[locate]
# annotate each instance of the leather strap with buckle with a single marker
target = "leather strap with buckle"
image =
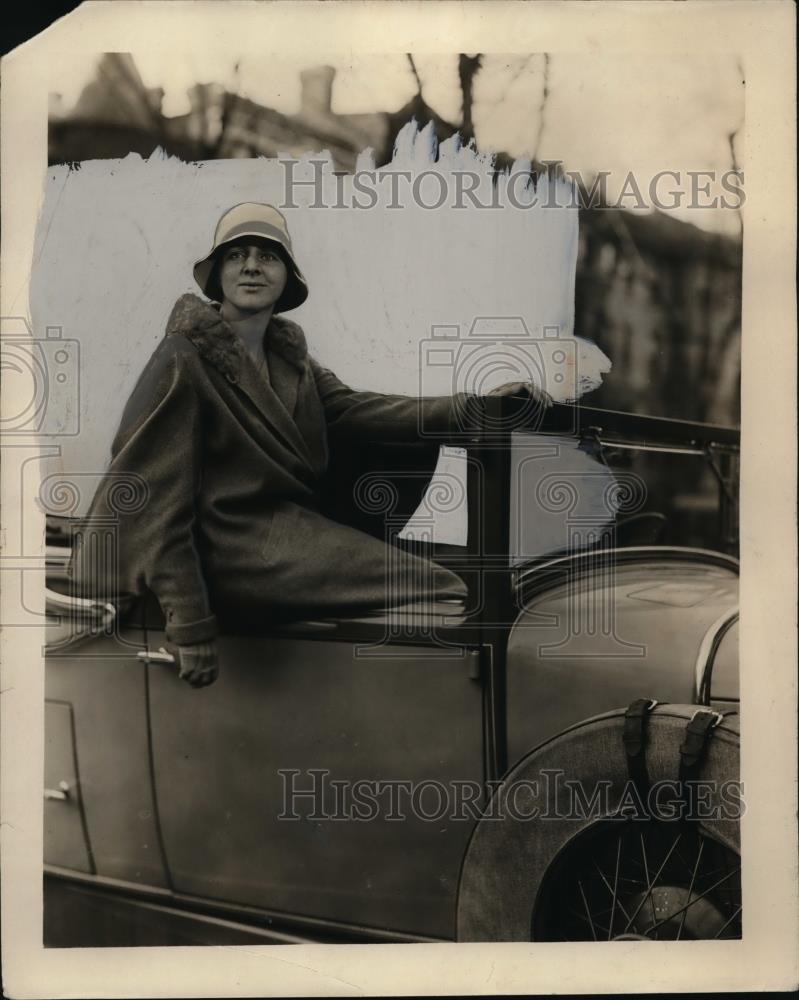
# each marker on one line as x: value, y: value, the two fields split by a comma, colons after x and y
x: 694, y: 746
x: 634, y: 739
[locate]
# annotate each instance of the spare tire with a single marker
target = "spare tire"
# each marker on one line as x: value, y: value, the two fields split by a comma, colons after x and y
x: 569, y: 848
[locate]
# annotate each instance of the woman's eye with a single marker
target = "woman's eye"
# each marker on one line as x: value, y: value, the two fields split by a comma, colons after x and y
x: 267, y: 258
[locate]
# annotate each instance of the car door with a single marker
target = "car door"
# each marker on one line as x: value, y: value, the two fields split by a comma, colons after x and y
x: 297, y: 714
x: 99, y: 813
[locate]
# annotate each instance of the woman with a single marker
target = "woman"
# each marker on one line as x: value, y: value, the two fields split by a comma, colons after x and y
x: 226, y: 432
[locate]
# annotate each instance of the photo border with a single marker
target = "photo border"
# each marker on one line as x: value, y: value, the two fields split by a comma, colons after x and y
x: 763, y: 33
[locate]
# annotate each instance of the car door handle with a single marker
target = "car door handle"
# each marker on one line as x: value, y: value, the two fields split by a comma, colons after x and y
x: 155, y: 656
x: 60, y: 794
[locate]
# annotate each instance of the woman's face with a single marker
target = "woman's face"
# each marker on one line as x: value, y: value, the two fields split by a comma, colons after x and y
x: 252, y: 275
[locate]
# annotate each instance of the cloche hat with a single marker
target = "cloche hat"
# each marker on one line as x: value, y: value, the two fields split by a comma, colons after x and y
x: 251, y: 218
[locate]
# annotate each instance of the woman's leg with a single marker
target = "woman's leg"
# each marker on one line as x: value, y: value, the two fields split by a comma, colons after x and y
x: 310, y: 565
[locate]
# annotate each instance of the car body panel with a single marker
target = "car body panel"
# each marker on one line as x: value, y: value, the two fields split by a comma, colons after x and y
x: 104, y: 683
x: 66, y: 842
x: 82, y: 914
x: 597, y: 641
x: 725, y: 678
x: 181, y: 788
x: 403, y: 713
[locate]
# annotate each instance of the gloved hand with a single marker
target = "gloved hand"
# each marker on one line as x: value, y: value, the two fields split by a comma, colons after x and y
x: 199, y: 664
x: 536, y: 393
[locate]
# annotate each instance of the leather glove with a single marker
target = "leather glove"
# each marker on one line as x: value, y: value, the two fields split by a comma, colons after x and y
x: 199, y: 663
x: 535, y: 392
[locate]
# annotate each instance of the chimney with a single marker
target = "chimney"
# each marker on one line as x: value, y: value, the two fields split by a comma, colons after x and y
x: 317, y: 89
x: 155, y: 98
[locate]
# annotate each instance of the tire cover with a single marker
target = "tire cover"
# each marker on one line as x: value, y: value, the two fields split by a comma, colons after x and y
x: 507, y: 857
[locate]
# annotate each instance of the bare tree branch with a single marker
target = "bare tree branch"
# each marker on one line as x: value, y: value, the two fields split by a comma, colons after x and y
x: 468, y: 67
x: 731, y: 137
x: 415, y: 73
x: 228, y: 101
x: 542, y: 108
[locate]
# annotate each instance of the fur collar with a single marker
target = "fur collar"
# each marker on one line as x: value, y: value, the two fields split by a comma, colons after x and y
x: 214, y: 338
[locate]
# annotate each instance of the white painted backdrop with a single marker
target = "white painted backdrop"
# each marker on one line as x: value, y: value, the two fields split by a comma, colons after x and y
x: 116, y: 240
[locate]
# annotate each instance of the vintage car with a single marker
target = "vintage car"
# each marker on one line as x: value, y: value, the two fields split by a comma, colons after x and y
x: 438, y: 773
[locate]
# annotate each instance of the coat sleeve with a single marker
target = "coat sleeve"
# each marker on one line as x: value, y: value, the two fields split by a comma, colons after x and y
x: 372, y: 415
x: 156, y: 451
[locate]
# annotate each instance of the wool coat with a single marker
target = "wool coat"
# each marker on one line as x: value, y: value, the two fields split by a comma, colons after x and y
x: 212, y: 492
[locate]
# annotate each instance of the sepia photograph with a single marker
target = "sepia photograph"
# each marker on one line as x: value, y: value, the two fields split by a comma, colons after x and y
x: 374, y: 419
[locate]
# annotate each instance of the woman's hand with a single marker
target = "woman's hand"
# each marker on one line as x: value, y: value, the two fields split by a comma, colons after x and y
x: 536, y: 393
x: 199, y: 663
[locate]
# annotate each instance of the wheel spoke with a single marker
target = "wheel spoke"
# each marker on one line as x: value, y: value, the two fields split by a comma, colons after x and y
x: 651, y: 884
x: 721, y: 930
x: 646, y: 874
x: 587, y: 910
x: 581, y: 916
x: 615, y: 888
x: 610, y: 890
x: 632, y: 880
x: 696, y: 899
x: 678, y: 856
x: 691, y: 886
